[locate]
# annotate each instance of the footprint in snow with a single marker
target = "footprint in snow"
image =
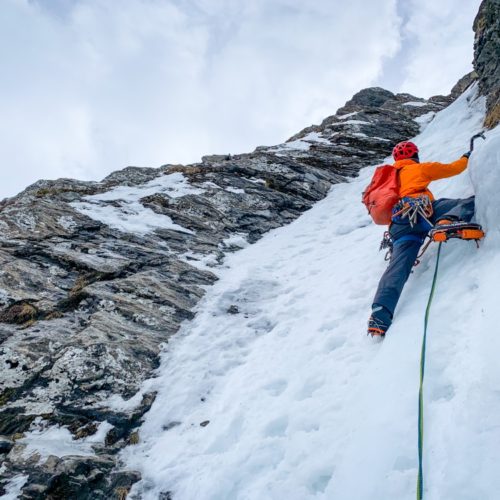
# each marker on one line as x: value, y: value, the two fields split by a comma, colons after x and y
x: 276, y: 427
x: 349, y: 228
x: 276, y: 387
x: 262, y: 325
x: 334, y: 343
x: 319, y: 482
x: 329, y: 326
x: 404, y: 463
x: 445, y: 392
x: 309, y: 388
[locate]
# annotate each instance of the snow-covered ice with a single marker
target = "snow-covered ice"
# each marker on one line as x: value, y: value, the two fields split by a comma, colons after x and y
x: 424, y: 120
x: 300, y: 404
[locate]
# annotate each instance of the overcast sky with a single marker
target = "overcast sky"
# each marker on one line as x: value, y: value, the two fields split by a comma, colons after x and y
x: 91, y: 86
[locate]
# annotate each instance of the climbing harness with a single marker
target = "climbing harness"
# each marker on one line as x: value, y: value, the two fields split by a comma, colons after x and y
x: 420, y: 480
x: 410, y: 208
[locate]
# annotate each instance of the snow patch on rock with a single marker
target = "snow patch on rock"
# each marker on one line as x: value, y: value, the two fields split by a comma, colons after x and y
x: 416, y: 104
x: 121, y: 208
x: 14, y: 487
x: 58, y: 441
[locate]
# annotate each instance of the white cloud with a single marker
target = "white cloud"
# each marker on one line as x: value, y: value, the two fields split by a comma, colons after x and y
x: 440, y: 39
x: 102, y: 84
x: 92, y: 86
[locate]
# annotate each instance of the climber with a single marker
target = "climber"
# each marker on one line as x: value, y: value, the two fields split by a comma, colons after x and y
x: 406, y: 232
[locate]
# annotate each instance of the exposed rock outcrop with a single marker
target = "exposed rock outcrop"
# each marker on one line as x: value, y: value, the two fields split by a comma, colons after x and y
x: 96, y: 276
x: 463, y: 84
x: 487, y: 57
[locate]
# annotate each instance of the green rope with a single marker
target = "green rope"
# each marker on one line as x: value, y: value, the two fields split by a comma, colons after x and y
x: 420, y: 480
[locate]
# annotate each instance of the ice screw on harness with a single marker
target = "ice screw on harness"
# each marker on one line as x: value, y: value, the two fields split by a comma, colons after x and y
x: 411, y: 208
x: 420, y: 480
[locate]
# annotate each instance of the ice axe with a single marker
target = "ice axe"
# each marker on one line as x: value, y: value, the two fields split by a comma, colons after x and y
x: 474, y: 137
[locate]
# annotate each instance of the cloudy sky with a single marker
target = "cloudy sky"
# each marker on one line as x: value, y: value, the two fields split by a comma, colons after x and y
x: 91, y: 86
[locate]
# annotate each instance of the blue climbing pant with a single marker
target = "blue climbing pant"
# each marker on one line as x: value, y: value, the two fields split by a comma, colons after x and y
x: 407, y: 241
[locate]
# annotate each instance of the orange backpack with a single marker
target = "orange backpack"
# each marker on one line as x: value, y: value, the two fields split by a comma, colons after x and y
x: 382, y: 194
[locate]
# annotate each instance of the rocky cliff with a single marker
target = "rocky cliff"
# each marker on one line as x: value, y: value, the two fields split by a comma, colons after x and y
x: 96, y: 276
x: 487, y: 57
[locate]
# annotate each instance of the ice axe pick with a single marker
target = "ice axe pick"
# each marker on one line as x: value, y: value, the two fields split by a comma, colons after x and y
x: 474, y: 137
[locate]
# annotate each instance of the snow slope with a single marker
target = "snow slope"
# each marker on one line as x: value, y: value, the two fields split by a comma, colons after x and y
x: 300, y: 404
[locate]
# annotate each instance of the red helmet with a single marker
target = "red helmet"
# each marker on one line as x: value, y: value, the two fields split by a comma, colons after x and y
x: 404, y: 150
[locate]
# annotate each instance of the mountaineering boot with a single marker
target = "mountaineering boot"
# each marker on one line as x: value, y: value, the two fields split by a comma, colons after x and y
x: 375, y: 328
x: 446, y: 221
x: 379, y: 321
x: 449, y: 228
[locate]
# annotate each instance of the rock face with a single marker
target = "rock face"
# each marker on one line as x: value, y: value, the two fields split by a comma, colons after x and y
x: 487, y: 56
x: 96, y: 276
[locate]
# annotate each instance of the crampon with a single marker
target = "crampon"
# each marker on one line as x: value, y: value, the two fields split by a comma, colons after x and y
x: 461, y: 230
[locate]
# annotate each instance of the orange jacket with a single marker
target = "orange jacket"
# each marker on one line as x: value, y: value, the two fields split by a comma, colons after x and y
x: 414, y: 177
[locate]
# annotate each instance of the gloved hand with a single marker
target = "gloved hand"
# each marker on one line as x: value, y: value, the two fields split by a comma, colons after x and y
x: 467, y: 154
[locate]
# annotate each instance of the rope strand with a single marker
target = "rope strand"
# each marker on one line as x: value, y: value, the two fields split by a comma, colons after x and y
x: 420, y: 480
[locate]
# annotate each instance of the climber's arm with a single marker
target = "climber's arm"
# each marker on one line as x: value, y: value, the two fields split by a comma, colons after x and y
x: 435, y: 170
